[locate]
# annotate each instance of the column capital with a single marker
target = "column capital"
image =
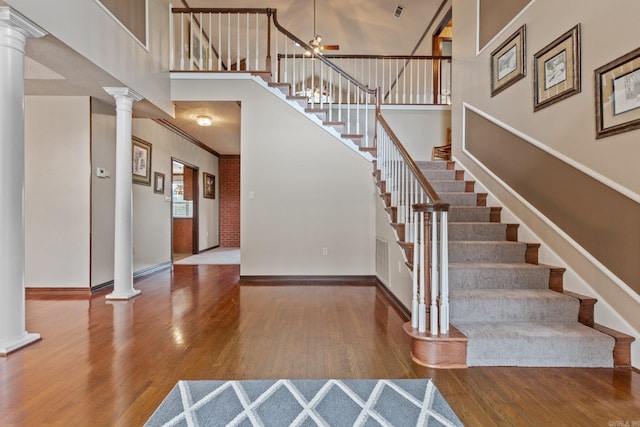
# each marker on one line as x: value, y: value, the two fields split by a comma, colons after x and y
x: 123, y: 92
x: 10, y: 18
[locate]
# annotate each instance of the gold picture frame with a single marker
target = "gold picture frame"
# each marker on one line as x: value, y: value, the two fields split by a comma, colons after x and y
x: 140, y: 161
x: 158, y: 182
x: 557, y: 70
x: 618, y: 95
x: 208, y: 186
x: 508, y: 62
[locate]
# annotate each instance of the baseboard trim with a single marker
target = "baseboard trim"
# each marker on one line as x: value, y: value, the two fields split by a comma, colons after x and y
x: 393, y: 301
x: 102, y: 287
x: 57, y: 293
x: 153, y: 269
x: 309, y: 280
x: 208, y: 249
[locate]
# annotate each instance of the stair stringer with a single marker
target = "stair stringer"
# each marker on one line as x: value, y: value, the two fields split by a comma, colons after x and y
x: 604, y: 313
x: 314, y: 118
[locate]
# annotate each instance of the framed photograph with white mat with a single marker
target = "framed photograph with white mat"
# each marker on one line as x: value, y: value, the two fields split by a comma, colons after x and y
x: 618, y: 95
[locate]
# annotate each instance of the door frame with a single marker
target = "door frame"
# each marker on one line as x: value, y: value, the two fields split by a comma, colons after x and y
x: 195, y: 228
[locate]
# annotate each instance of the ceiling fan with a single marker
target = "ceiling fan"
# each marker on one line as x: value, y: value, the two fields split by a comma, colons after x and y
x: 316, y: 42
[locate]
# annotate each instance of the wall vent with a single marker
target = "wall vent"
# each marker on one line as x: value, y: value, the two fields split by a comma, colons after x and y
x: 399, y: 10
x: 382, y: 260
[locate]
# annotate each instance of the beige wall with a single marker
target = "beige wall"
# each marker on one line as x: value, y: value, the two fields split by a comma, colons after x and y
x: 302, y: 189
x: 152, y: 211
x: 565, y: 131
x: 57, y: 204
x: 103, y: 190
x: 419, y: 128
x: 84, y: 26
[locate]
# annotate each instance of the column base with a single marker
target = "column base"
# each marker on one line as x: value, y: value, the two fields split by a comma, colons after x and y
x: 11, y: 346
x: 124, y: 296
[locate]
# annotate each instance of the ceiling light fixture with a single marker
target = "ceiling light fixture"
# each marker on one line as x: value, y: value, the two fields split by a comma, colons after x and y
x: 203, y: 120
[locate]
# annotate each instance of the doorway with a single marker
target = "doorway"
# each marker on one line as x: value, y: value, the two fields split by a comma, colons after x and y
x: 442, y: 46
x: 184, y: 209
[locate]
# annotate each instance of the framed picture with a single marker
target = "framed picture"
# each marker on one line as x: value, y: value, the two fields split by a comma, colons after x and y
x: 209, y: 186
x: 199, y: 48
x: 557, y: 70
x: 618, y: 95
x: 158, y: 182
x: 141, y: 161
x: 508, y: 64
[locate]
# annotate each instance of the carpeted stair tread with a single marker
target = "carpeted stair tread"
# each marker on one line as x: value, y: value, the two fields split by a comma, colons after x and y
x: 468, y: 275
x: 477, y: 231
x: 460, y: 199
x: 474, y: 251
x: 469, y: 214
x: 544, y: 344
x: 432, y: 165
x: 512, y: 305
x: 439, y: 175
x: 449, y: 186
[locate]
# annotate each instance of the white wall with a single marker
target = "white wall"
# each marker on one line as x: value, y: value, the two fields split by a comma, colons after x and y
x: 152, y: 212
x: 302, y: 189
x: 103, y: 191
x: 57, y: 193
x: 419, y: 128
x: 86, y: 28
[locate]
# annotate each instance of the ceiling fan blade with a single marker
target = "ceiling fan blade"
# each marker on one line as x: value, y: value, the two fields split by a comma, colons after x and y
x: 331, y: 47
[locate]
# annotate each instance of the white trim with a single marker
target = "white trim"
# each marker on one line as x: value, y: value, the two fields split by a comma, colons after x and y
x: 145, y: 46
x: 621, y: 284
x: 478, y: 50
x: 17, y: 20
x: 571, y: 162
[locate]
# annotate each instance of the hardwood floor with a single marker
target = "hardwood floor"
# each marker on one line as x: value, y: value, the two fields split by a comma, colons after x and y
x: 111, y: 363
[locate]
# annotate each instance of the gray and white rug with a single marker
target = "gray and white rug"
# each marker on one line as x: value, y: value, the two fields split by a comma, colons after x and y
x: 304, y: 403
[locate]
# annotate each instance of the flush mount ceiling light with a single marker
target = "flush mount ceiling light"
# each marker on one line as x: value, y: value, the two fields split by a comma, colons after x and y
x: 203, y: 120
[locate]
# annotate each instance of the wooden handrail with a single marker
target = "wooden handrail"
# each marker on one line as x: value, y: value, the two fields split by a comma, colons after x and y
x: 437, y: 205
x: 330, y: 64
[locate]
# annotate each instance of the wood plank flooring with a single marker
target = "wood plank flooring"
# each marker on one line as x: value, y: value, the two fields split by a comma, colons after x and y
x: 111, y: 364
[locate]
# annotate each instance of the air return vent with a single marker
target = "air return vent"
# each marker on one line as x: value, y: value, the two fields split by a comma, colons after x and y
x: 382, y: 260
x: 398, y: 12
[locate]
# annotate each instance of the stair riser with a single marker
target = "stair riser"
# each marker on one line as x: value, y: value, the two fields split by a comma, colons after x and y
x: 541, y: 352
x: 460, y: 199
x: 502, y: 253
x: 469, y: 214
x: 439, y: 175
x: 497, y: 278
x: 449, y: 186
x: 513, y: 310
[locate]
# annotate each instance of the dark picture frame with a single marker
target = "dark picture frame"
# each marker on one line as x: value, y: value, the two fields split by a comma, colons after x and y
x: 617, y: 86
x: 557, y: 70
x: 158, y: 182
x: 208, y: 186
x: 140, y: 161
x: 508, y: 62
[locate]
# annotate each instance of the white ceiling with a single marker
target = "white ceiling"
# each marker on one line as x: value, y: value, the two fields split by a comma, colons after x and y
x: 358, y: 26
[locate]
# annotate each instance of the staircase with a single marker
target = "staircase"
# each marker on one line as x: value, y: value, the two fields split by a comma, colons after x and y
x: 512, y: 311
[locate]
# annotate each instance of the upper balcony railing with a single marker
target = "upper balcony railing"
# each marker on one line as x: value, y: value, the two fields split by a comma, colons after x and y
x: 230, y: 40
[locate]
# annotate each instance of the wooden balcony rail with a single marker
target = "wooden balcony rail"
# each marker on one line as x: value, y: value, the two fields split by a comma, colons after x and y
x: 424, y: 218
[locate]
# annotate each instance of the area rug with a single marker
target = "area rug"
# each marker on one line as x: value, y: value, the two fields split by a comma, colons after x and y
x: 304, y: 403
x: 217, y: 256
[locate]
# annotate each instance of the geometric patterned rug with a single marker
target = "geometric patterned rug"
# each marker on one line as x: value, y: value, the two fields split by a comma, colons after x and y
x: 304, y: 403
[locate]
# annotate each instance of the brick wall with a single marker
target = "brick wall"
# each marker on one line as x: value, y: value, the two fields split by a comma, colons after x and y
x: 229, y: 201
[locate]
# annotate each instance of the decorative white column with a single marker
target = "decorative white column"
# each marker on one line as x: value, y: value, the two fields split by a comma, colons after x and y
x: 123, y: 251
x: 14, y: 31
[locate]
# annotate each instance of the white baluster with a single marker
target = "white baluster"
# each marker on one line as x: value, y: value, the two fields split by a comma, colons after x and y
x: 219, y: 41
x: 434, y: 274
x: 444, y: 274
x: 330, y: 95
x: 410, y: 81
x: 229, y: 41
x: 257, y: 44
x: 238, y: 41
x: 209, y: 47
x: 248, y: 55
x: 416, y: 267
x: 422, y: 309
x: 426, y: 81
x: 200, y: 63
x: 339, y: 98
x: 182, y: 53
